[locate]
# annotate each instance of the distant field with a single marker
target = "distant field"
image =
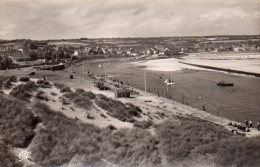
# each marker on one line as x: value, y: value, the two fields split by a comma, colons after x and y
x: 67, y: 43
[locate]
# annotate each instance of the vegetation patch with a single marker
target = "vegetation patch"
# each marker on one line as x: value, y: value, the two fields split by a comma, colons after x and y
x: 79, y: 99
x: 82, y: 92
x: 117, y: 109
x: 6, y: 81
x: 42, y: 96
x: 143, y: 124
x: 44, y: 84
x: 24, y: 91
x: 178, y: 140
x: 16, y: 122
x: 8, y: 159
x: 24, y: 79
x: 63, y: 88
x: 234, y: 151
x: 64, y: 138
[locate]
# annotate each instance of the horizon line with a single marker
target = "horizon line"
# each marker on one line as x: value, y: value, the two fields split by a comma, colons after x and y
x: 181, y: 36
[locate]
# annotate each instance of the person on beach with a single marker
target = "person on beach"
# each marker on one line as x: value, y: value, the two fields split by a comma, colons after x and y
x: 250, y: 124
x: 246, y: 121
x: 258, y: 125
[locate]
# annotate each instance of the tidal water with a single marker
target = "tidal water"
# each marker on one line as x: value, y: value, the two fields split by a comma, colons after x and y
x: 193, y: 87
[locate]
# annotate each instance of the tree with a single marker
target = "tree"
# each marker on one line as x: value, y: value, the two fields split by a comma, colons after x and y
x: 5, y: 62
x: 33, y: 55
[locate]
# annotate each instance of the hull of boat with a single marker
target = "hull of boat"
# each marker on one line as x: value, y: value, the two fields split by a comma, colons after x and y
x: 225, y: 84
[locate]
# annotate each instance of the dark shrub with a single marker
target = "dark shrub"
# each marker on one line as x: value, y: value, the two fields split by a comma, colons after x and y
x: 44, y: 84
x: 41, y: 95
x: 63, y: 88
x: 24, y: 91
x: 112, y: 127
x: 24, y: 79
x: 82, y: 92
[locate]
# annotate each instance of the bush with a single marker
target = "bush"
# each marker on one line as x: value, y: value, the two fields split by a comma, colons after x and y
x: 82, y: 92
x: 41, y: 95
x: 6, y: 81
x: 44, y: 84
x: 53, y: 94
x: 63, y: 88
x: 5, y: 62
x: 24, y: 91
x: 24, y: 79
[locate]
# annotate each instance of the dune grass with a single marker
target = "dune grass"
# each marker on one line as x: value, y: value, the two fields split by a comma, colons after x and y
x: 7, y: 158
x: 143, y: 124
x: 118, y: 109
x: 80, y: 100
x: 6, y: 81
x: 24, y: 91
x: 16, y: 122
x: 63, y: 140
x: 234, y: 151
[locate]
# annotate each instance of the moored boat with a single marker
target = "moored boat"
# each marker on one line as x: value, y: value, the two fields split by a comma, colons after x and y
x: 223, y: 83
x: 169, y: 81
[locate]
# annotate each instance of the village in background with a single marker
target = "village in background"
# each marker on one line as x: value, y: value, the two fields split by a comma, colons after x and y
x: 27, y: 53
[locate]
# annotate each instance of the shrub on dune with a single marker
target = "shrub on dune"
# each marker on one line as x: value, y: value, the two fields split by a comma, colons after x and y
x: 63, y: 88
x: 24, y: 91
x: 24, y: 79
x: 44, y: 84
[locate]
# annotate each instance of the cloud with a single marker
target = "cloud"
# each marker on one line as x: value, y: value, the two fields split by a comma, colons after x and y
x: 48, y: 19
x: 225, y: 13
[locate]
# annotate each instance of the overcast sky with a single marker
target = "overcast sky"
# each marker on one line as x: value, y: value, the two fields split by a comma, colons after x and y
x: 56, y: 19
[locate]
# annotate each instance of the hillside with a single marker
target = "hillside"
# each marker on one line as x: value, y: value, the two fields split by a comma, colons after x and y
x: 69, y: 122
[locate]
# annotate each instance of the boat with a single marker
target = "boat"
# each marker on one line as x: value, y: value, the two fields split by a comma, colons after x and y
x: 223, y: 83
x: 169, y: 81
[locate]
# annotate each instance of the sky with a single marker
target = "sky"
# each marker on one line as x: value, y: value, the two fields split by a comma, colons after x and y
x: 63, y: 19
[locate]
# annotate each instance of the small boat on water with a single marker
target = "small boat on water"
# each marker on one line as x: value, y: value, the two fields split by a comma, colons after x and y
x: 223, y: 83
x: 169, y: 81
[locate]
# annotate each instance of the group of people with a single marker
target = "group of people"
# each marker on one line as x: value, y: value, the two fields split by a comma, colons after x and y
x: 249, y: 124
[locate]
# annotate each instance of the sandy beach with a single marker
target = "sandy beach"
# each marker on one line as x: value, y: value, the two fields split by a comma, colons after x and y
x: 248, y: 62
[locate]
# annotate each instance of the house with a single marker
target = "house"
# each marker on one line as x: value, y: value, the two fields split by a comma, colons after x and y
x: 162, y: 50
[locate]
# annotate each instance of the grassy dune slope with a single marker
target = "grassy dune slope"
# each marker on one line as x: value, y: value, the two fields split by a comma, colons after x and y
x: 56, y: 139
